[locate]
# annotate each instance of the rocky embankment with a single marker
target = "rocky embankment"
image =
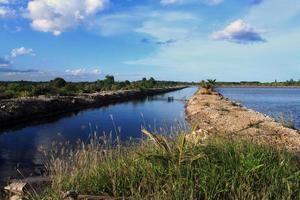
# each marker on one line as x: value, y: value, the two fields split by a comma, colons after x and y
x: 14, y: 111
x: 214, y: 114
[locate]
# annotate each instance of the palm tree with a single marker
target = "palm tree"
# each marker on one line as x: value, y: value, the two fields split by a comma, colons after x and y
x: 208, y: 86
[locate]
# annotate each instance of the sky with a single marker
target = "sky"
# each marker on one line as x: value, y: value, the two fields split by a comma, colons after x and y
x: 184, y: 40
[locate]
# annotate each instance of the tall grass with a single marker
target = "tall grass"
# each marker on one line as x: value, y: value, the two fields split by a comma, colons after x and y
x: 172, y: 168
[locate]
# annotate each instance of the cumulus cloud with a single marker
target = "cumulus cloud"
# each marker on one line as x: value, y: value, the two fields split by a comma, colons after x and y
x: 208, y: 2
x: 83, y: 72
x: 22, y: 51
x: 60, y: 16
x: 239, y: 32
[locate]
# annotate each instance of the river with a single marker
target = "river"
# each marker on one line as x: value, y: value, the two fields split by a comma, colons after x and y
x: 19, y: 145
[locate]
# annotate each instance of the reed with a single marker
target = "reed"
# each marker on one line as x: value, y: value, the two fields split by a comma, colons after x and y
x: 173, y: 168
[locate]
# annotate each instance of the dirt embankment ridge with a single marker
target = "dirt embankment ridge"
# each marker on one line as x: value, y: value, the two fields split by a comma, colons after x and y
x: 214, y: 114
x: 15, y: 111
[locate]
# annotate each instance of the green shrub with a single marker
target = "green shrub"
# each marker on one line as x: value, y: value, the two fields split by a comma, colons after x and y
x: 58, y: 82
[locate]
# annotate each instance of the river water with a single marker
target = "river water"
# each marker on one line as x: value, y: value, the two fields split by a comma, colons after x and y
x: 18, y: 147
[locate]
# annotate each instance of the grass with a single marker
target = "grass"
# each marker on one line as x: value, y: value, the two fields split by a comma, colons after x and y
x: 172, y: 168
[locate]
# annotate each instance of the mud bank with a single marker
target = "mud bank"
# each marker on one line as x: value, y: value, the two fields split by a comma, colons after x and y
x: 16, y: 111
x: 214, y: 114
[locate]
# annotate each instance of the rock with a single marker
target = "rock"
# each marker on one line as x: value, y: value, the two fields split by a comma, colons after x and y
x: 70, y: 195
x: 16, y: 197
x: 18, y: 188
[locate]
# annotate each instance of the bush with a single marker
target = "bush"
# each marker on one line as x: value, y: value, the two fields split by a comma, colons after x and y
x: 58, y: 82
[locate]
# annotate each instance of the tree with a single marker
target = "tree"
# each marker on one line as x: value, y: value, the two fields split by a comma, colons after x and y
x: 58, y: 82
x: 152, y: 82
x: 208, y: 86
x: 109, y: 79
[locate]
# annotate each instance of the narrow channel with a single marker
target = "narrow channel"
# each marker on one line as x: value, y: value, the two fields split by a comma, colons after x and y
x: 19, y: 145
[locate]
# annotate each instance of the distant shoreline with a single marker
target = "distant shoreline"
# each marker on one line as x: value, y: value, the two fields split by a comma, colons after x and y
x: 254, y: 86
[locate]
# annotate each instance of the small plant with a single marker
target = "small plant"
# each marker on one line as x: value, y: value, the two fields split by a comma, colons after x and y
x: 224, y: 110
x: 206, y: 104
x: 208, y: 86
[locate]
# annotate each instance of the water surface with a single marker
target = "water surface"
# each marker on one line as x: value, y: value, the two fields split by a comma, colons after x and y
x: 18, y: 148
x: 275, y: 102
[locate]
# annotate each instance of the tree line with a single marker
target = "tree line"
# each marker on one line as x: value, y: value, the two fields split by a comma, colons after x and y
x: 288, y: 83
x: 60, y: 87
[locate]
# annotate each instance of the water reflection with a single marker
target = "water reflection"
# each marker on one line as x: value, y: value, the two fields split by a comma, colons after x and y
x: 18, y: 146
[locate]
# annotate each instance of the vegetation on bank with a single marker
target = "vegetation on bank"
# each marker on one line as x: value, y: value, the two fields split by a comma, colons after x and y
x: 288, y: 83
x: 59, y: 86
x: 172, y: 168
x: 207, y: 87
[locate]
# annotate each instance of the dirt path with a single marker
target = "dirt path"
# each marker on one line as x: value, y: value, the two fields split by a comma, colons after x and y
x: 213, y: 114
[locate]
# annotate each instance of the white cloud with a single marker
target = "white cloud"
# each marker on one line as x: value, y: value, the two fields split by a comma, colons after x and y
x: 208, y: 2
x: 58, y: 16
x: 6, y: 12
x: 22, y: 51
x: 239, y: 32
x: 83, y: 72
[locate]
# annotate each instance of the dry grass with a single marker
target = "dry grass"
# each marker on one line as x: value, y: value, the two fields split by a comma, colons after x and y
x: 172, y: 168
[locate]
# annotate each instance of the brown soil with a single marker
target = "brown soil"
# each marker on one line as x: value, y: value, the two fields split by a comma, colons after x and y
x: 213, y: 114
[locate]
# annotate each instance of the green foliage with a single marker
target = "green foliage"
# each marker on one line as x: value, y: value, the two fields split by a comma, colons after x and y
x: 58, y: 82
x: 59, y: 86
x: 208, y: 86
x: 288, y: 83
x: 109, y: 80
x: 165, y: 168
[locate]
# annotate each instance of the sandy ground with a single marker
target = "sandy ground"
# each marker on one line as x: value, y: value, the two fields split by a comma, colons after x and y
x: 213, y: 114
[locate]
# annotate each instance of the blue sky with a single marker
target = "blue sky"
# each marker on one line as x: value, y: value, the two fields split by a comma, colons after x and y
x: 187, y: 40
